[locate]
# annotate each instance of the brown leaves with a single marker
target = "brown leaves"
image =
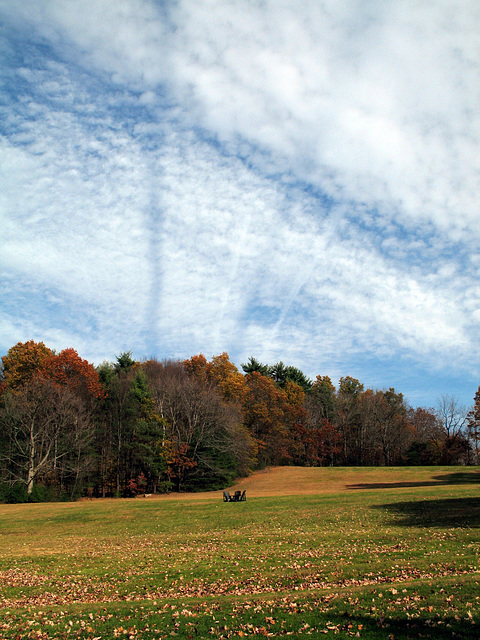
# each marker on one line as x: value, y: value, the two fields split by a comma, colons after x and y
x: 20, y: 578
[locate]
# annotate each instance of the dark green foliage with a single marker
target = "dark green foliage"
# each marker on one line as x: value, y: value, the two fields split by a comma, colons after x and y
x: 131, y: 431
x: 216, y: 471
x: 106, y: 373
x: 279, y: 372
x: 15, y: 494
x: 124, y: 362
x: 45, y: 494
x: 420, y: 454
x: 283, y: 374
x: 253, y: 365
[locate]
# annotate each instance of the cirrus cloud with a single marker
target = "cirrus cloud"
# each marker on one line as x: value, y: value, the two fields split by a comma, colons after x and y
x: 278, y: 179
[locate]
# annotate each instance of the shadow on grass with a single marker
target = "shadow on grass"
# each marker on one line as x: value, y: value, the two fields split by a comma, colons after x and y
x: 448, y: 512
x: 402, y: 629
x: 459, y: 477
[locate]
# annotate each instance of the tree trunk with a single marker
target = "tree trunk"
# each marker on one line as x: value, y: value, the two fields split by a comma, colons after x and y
x: 31, y: 461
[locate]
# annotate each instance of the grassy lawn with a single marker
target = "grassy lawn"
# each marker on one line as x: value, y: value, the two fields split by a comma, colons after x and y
x: 369, y: 553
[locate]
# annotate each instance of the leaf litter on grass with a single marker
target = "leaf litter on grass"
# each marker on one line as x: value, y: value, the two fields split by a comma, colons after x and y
x: 305, y: 556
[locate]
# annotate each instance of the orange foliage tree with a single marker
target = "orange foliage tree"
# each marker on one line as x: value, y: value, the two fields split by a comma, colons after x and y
x: 227, y: 377
x: 220, y: 372
x: 264, y: 415
x: 70, y: 370
x: 198, y: 367
x: 23, y: 362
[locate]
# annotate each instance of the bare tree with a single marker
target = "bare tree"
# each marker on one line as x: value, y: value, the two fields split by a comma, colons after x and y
x: 452, y: 416
x: 453, y: 446
x: 43, y: 427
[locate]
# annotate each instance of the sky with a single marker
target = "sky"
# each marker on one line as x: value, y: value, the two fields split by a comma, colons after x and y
x: 292, y: 180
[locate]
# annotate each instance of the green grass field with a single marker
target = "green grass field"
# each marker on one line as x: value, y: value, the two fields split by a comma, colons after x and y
x: 373, y: 553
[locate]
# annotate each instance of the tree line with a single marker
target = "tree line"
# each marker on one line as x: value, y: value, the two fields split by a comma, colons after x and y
x: 69, y: 429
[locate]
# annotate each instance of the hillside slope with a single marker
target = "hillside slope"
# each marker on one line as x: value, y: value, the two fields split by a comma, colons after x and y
x: 283, y: 481
x: 277, y: 481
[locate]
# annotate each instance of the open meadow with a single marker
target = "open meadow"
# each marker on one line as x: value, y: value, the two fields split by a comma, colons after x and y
x: 345, y: 552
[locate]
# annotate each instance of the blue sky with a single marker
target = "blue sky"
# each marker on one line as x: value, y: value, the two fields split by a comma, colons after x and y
x: 289, y: 180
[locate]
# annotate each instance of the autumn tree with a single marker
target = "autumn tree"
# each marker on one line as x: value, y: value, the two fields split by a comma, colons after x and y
x: 225, y: 375
x: 198, y: 367
x: 68, y: 369
x: 329, y: 444
x: 425, y: 423
x: 219, y: 372
x: 23, y: 362
x: 128, y: 427
x: 350, y: 387
x: 105, y: 441
x: 321, y: 439
x: 264, y: 414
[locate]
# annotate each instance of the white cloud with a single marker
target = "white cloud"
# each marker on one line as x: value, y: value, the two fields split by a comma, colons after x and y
x: 286, y: 180
x: 381, y: 109
x: 380, y: 99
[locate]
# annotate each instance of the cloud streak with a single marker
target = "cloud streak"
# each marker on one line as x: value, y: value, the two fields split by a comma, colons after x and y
x: 277, y: 179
